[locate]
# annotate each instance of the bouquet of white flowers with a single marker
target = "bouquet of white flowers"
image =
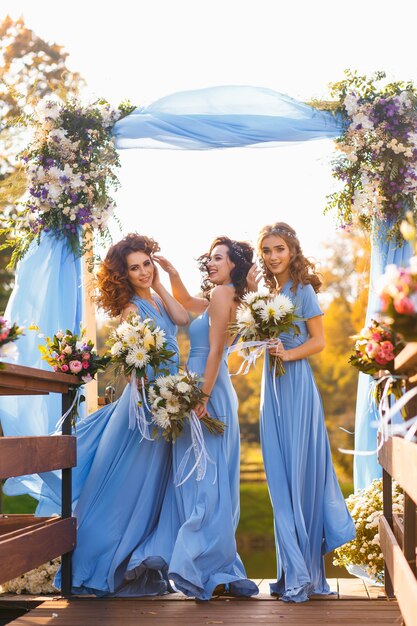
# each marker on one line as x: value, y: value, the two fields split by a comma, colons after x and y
x: 364, y: 551
x: 135, y: 345
x: 260, y: 319
x: 172, y: 399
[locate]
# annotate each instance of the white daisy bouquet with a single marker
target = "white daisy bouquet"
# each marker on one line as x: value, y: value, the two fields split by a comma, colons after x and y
x: 135, y: 345
x: 260, y: 320
x: 172, y: 399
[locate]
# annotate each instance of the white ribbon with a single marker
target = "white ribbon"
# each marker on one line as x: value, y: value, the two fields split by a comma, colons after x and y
x: 201, y: 455
x: 253, y: 356
x: 60, y: 422
x: 137, y: 416
x: 407, y: 429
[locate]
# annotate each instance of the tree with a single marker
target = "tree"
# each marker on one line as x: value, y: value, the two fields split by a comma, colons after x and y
x: 30, y: 69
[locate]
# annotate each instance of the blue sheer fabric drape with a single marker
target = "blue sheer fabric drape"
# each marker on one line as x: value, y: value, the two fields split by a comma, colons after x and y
x: 366, y: 467
x: 48, y: 292
x: 223, y: 117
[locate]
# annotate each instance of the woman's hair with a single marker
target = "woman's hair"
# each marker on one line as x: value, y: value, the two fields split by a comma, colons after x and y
x: 240, y: 253
x: 302, y: 270
x: 114, y: 289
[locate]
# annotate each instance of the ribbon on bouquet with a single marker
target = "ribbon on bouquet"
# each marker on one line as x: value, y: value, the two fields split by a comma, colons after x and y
x: 201, y: 456
x: 137, y: 400
x: 60, y: 422
x: 255, y: 350
x: 386, y: 412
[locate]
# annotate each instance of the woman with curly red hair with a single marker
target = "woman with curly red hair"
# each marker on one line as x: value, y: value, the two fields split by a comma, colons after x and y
x: 121, y: 478
x: 310, y: 514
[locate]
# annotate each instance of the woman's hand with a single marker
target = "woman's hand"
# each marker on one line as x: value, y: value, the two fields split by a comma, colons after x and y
x: 200, y: 410
x: 277, y: 349
x: 253, y: 278
x: 156, y: 282
x: 165, y: 264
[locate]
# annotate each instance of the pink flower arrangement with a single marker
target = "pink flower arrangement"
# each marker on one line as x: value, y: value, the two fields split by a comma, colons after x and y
x: 72, y: 354
x: 8, y: 334
x: 398, y: 299
x: 375, y: 349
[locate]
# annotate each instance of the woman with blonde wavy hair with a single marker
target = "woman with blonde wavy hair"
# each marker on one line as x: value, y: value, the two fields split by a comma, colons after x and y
x: 121, y: 478
x: 310, y: 514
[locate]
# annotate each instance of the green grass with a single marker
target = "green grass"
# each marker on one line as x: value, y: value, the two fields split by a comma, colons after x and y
x: 255, y: 510
x: 18, y: 504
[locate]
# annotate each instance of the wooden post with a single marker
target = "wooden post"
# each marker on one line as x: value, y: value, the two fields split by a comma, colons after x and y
x: 89, y: 321
x: 387, y: 510
x: 66, y: 502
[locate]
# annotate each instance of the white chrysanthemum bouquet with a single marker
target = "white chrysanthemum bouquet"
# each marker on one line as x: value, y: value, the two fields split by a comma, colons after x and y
x: 365, y: 507
x: 172, y: 399
x: 135, y: 345
x: 260, y: 320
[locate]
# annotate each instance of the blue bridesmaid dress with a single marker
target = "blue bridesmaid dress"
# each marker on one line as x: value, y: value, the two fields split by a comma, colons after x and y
x: 310, y: 514
x: 204, y: 554
x: 120, y: 483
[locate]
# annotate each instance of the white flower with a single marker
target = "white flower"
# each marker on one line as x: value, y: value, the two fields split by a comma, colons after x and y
x: 137, y: 357
x: 282, y: 305
x: 162, y: 418
x: 172, y: 405
x: 183, y: 387
x: 166, y: 393
x: 159, y: 338
x: 131, y: 337
x: 244, y: 316
x: 9, y: 352
x: 117, y: 348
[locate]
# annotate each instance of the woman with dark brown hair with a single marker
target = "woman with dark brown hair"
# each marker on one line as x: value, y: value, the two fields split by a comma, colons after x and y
x: 204, y: 554
x: 310, y: 514
x: 121, y: 478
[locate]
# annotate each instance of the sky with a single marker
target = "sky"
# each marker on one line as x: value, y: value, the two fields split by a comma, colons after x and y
x: 146, y: 50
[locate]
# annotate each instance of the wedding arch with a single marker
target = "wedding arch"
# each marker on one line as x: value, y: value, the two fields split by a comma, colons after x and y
x: 71, y: 168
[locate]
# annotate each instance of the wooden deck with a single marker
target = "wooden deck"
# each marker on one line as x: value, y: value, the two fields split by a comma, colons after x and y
x: 353, y: 603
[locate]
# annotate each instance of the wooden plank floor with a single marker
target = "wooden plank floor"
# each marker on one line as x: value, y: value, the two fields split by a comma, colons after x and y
x: 352, y: 603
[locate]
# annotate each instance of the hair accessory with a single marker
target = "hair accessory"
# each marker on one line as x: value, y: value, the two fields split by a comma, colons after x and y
x: 237, y: 249
x: 285, y: 232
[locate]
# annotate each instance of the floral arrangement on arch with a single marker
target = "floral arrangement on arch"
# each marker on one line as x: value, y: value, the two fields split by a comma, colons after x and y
x: 378, y: 164
x: 365, y: 507
x: 70, y: 167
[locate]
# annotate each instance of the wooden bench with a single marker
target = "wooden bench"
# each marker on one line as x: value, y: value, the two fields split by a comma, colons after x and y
x: 27, y: 541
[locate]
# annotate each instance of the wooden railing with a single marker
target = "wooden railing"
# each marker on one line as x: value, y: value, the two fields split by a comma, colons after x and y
x: 27, y: 541
x: 398, y: 534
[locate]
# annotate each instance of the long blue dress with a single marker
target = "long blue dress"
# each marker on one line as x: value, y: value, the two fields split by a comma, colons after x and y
x: 204, y: 554
x: 310, y: 514
x: 120, y: 482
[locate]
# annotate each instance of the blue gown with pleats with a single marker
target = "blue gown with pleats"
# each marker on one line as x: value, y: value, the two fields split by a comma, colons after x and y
x: 310, y: 514
x: 204, y: 554
x: 120, y: 483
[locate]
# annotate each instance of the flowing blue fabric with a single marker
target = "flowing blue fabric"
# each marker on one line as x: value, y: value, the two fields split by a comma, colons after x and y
x: 384, y: 252
x: 223, y: 117
x: 118, y: 489
x: 47, y: 292
x: 194, y: 543
x: 310, y: 514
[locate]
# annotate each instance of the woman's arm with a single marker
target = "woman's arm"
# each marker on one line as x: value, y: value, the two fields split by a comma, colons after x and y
x: 180, y: 292
x: 219, y: 312
x: 313, y: 345
x: 174, y: 309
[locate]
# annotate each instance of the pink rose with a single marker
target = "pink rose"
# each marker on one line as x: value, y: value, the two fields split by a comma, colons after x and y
x: 86, y: 365
x: 87, y: 378
x: 376, y: 336
x: 86, y: 356
x: 64, y: 368
x: 5, y: 334
x: 75, y: 367
x: 404, y: 306
x: 372, y: 349
x: 381, y: 359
